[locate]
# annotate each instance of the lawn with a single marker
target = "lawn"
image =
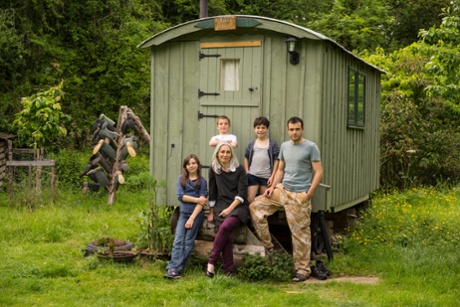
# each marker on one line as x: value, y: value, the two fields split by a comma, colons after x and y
x: 408, y: 240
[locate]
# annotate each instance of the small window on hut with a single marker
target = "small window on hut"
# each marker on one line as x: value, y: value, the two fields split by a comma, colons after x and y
x: 356, y: 98
x: 230, y: 69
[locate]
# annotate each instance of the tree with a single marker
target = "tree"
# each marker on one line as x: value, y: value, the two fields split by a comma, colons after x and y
x: 444, y: 65
x: 410, y: 17
x: 90, y: 44
x: 420, y: 141
x: 41, y: 121
x: 356, y: 25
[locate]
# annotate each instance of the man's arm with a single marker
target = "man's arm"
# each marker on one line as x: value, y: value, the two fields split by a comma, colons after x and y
x: 318, y: 176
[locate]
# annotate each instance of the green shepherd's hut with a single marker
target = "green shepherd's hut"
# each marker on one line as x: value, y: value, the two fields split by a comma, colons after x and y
x: 249, y: 66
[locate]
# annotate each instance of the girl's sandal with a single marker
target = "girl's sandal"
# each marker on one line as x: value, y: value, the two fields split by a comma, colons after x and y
x: 299, y: 277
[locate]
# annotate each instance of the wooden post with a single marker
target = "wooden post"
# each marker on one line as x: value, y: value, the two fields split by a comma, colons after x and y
x: 53, y: 179
x: 10, y: 181
x: 10, y: 169
x: 112, y: 189
x: 38, y: 155
x: 123, y: 115
x: 203, y: 8
x: 10, y: 150
x: 29, y: 181
x: 139, y: 127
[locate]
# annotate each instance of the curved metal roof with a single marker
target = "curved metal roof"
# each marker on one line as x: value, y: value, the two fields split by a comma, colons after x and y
x: 258, y: 22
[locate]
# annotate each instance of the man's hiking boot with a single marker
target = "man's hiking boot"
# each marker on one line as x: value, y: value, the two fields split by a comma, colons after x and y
x: 322, y: 267
x: 317, y: 273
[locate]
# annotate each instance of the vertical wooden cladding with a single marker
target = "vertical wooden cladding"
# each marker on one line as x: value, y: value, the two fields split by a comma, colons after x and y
x: 350, y: 154
x: 275, y: 86
x: 174, y: 112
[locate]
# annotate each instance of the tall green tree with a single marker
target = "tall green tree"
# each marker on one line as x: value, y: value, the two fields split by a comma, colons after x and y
x: 410, y: 17
x: 444, y: 65
x: 356, y: 24
x: 420, y: 138
x: 90, y: 44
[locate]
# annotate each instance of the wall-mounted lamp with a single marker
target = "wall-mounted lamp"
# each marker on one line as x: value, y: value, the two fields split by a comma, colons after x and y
x: 294, y: 56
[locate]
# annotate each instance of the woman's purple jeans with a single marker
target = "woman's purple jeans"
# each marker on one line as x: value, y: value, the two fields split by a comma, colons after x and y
x: 223, y: 243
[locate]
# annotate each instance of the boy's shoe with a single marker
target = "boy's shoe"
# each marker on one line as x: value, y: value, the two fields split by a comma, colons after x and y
x: 317, y: 273
x: 172, y: 274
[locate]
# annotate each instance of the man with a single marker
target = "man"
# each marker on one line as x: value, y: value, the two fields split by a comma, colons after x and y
x: 299, y: 173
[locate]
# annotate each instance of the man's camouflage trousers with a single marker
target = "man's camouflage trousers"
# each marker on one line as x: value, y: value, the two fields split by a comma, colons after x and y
x: 298, y: 210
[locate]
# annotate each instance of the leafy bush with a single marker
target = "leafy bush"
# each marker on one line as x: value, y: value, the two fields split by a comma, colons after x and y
x: 277, y: 267
x: 69, y: 165
x: 42, y: 120
x: 155, y: 235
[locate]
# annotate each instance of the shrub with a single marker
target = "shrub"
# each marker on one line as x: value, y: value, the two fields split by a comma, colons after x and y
x: 277, y: 267
x: 155, y: 221
x: 69, y: 164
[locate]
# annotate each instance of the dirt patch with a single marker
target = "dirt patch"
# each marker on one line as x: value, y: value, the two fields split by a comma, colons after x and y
x: 353, y: 279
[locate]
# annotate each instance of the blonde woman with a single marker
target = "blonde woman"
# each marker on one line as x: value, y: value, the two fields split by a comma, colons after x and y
x: 228, y: 187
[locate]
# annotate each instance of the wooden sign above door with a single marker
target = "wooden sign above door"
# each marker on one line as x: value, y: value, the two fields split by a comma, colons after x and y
x: 224, y: 23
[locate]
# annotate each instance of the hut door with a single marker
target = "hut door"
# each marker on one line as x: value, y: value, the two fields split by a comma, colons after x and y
x: 230, y: 84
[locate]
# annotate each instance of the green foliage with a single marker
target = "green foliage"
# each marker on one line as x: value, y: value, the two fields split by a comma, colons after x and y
x: 444, y: 65
x: 12, y: 52
x: 138, y: 177
x: 90, y: 44
x: 155, y: 223
x: 255, y: 268
x: 277, y: 267
x: 282, y: 266
x: 69, y: 165
x: 105, y: 67
x: 288, y: 10
x: 356, y: 25
x: 41, y: 121
x: 419, y: 130
x: 410, y: 17
x: 141, y: 181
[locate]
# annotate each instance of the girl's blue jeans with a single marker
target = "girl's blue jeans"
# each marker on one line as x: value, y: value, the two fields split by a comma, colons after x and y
x: 184, y: 240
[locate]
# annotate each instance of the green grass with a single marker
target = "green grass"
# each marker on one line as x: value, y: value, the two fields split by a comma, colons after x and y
x: 409, y: 240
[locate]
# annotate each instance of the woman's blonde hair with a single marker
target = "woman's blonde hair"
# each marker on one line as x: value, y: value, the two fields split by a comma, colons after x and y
x: 215, y: 164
